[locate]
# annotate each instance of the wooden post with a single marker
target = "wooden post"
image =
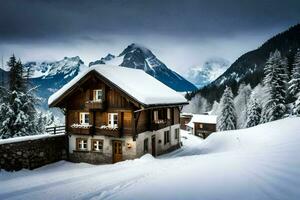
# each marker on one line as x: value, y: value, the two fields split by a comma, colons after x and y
x: 66, y: 120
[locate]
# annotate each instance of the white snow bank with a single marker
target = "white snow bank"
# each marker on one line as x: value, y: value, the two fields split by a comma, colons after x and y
x: 258, y: 137
x: 136, y: 83
x: 27, y: 138
x: 256, y: 163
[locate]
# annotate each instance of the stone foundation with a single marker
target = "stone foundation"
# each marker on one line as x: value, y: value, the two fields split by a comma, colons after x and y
x: 90, y: 157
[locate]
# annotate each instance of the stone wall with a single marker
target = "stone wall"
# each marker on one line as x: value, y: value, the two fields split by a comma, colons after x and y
x: 30, y: 154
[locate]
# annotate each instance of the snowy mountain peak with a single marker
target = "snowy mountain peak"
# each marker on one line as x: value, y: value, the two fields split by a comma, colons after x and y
x: 68, y: 67
x: 137, y: 48
x: 103, y: 60
x: 109, y: 57
x: 137, y: 56
x: 73, y: 59
x: 208, y: 72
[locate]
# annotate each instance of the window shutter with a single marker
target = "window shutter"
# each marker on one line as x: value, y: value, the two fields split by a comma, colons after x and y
x: 80, y: 118
x: 155, y: 115
x: 94, y: 94
x: 169, y: 113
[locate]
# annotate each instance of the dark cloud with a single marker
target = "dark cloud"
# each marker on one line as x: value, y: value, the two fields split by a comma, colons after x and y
x: 183, y: 33
x: 23, y: 20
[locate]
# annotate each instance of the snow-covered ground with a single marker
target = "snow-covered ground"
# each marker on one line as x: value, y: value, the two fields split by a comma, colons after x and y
x: 257, y: 163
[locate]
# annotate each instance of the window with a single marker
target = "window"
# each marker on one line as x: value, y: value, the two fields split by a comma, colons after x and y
x: 166, y: 137
x: 113, y: 120
x: 81, y: 144
x: 169, y: 113
x: 97, y: 145
x: 176, y: 133
x: 200, y: 125
x: 84, y: 118
x: 97, y: 95
x: 146, y: 145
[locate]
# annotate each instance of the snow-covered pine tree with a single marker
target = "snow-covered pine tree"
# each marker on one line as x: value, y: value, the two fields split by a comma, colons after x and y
x: 18, y: 114
x: 240, y: 102
x: 215, y: 108
x: 253, y: 113
x: 276, y: 82
x: 227, y: 119
x: 296, y: 110
x: 294, y: 83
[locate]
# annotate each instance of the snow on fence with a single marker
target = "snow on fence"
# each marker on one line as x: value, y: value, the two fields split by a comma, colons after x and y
x: 56, y: 130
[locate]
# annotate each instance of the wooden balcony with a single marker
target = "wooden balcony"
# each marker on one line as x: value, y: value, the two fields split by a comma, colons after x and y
x: 80, y: 130
x: 95, y: 131
x: 95, y: 105
x: 108, y: 132
x: 160, y: 124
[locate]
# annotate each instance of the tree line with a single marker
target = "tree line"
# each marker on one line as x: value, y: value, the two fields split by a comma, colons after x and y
x: 19, y: 115
x: 281, y: 91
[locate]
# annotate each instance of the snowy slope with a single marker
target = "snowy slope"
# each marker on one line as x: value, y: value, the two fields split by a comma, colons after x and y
x: 249, y: 164
x: 139, y: 57
x: 211, y: 70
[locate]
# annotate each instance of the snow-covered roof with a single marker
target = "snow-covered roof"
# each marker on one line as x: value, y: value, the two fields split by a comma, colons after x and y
x: 136, y: 83
x: 207, y: 119
x: 183, y: 114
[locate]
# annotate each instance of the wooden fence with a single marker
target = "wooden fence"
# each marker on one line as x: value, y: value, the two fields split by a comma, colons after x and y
x: 56, y: 130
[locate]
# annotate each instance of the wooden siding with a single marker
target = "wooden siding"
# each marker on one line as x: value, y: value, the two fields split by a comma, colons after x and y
x: 143, y: 121
x: 114, y: 101
x: 207, y: 127
x: 205, y: 130
x: 176, y: 115
x: 127, y: 126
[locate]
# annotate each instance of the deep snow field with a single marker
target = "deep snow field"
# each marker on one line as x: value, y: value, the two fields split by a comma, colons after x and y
x: 256, y: 163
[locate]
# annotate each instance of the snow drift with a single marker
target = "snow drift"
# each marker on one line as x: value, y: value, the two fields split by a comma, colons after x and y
x: 256, y: 163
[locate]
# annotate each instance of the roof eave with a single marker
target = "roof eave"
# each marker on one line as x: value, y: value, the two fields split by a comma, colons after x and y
x: 61, y: 97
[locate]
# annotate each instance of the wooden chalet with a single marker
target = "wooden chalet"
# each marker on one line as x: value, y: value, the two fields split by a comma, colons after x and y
x: 185, y: 118
x: 202, y: 125
x: 117, y: 113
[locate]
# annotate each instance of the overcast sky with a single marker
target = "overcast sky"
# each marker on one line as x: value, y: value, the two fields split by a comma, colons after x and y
x: 182, y: 33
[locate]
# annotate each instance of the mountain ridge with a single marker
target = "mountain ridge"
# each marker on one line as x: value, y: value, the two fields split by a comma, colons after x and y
x: 248, y: 68
x: 139, y: 57
x: 49, y: 76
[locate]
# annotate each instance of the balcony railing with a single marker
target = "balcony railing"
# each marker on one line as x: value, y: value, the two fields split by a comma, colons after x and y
x: 159, y: 124
x: 94, y: 130
x: 80, y: 130
x: 93, y: 105
x: 115, y: 132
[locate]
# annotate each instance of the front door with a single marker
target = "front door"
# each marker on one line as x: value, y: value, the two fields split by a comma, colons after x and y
x: 117, y: 151
x: 153, y: 146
